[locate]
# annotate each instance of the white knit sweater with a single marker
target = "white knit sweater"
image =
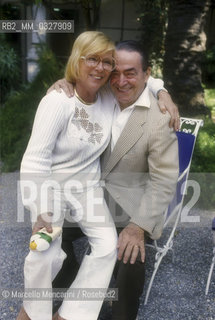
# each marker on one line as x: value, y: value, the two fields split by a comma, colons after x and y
x: 67, y: 140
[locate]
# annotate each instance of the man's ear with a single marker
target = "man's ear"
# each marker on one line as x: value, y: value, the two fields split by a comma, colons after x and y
x: 148, y: 72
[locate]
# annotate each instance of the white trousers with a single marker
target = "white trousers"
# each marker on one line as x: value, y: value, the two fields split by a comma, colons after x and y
x: 40, y: 268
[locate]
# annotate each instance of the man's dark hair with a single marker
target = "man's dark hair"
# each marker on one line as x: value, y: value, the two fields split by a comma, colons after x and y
x: 132, y: 45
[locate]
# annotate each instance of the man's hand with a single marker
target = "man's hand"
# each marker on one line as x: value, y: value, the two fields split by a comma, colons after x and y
x: 43, y: 221
x: 131, y: 241
x: 165, y: 103
x: 67, y: 87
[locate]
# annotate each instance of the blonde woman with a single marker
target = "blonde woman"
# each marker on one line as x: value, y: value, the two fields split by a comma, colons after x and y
x: 68, y: 137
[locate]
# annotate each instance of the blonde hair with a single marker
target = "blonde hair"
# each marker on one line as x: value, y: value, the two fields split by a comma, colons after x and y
x: 87, y: 43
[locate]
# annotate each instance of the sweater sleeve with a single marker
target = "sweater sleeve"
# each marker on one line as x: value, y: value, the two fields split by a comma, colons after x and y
x: 37, y: 160
x: 155, y: 85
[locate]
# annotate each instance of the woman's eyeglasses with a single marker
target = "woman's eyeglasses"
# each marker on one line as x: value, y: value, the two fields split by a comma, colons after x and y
x: 93, y: 61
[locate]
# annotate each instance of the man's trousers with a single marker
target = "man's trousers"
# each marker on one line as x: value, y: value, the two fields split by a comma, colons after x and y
x: 129, y: 278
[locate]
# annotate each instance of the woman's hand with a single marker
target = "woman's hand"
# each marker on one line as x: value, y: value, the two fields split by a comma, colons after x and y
x: 44, y: 220
x: 165, y: 103
x: 67, y: 87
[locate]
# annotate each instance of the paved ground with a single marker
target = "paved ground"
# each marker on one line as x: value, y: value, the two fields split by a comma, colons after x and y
x: 178, y: 290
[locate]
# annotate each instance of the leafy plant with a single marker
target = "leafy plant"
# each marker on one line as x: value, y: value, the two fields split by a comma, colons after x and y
x: 208, y: 67
x: 9, y: 71
x: 17, y: 116
x: 210, y: 101
x: 203, y: 164
x: 153, y: 19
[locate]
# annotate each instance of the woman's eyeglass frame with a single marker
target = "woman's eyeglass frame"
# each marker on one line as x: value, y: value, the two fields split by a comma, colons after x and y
x: 94, y: 60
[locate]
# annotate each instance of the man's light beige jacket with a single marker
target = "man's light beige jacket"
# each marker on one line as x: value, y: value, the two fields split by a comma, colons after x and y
x: 142, y: 170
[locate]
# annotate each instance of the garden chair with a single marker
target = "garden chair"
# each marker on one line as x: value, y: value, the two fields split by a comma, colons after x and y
x: 213, y: 259
x: 186, y: 141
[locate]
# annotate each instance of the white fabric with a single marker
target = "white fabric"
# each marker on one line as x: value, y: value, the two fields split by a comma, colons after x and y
x: 96, y: 268
x: 155, y: 85
x: 67, y: 140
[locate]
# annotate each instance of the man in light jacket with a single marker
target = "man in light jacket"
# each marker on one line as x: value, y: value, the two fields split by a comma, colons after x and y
x: 140, y: 170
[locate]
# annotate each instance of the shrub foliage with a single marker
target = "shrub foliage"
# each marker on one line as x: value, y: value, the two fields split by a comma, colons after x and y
x: 17, y: 114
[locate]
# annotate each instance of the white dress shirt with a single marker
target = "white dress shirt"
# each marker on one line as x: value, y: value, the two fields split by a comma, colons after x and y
x: 121, y: 116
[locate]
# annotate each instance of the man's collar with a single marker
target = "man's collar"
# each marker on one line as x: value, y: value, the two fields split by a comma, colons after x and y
x: 143, y: 100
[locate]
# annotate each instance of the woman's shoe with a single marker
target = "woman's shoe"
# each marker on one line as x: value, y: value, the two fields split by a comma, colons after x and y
x: 56, y: 316
x: 22, y: 315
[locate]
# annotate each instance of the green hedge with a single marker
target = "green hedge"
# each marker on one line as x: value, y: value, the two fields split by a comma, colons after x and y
x: 10, y: 74
x: 204, y: 155
x: 208, y: 67
x: 203, y: 165
x: 16, y: 117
